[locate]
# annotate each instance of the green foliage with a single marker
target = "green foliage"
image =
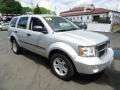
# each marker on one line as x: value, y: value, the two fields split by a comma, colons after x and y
x: 26, y: 9
x: 10, y: 7
x: 14, y: 7
x: 42, y: 10
x: 37, y: 10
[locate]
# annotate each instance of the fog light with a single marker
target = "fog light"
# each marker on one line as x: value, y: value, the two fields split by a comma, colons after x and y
x: 95, y: 69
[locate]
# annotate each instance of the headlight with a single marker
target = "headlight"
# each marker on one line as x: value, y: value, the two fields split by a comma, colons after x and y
x: 87, y: 51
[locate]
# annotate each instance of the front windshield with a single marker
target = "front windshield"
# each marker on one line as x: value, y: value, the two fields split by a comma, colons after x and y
x: 59, y: 24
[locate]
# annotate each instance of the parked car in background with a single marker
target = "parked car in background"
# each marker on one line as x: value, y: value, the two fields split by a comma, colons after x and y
x: 0, y: 26
x: 81, y: 25
x: 68, y: 48
x: 3, y: 26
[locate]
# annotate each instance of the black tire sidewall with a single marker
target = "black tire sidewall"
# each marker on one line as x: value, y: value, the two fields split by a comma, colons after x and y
x: 70, y: 69
x: 18, y: 48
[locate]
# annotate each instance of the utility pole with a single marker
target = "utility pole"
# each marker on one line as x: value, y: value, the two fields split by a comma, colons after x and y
x: 117, y: 6
x: 56, y: 10
x: 32, y: 5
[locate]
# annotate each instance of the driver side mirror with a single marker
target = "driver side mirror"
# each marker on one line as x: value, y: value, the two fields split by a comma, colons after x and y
x: 39, y: 29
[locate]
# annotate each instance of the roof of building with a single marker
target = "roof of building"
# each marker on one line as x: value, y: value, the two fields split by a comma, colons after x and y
x: 74, y: 9
x: 80, y: 11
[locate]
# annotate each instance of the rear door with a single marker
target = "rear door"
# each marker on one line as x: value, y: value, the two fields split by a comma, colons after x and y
x: 12, y: 26
x: 22, y: 30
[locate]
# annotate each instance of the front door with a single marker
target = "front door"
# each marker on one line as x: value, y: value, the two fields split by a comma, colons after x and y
x: 34, y: 39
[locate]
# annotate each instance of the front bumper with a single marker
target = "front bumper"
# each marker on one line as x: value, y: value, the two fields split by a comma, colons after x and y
x: 92, y: 65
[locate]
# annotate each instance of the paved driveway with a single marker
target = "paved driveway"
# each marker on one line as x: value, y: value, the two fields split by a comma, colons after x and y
x: 32, y: 72
x: 114, y: 39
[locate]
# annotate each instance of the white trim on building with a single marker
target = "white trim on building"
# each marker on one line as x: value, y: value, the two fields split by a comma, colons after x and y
x: 78, y: 16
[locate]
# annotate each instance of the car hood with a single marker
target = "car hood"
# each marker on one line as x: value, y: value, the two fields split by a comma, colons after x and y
x: 80, y: 37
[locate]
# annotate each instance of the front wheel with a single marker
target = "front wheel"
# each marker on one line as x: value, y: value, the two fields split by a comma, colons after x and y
x: 15, y: 47
x: 62, y: 66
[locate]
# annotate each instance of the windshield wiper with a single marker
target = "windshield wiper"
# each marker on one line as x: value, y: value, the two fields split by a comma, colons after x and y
x: 67, y: 29
x: 73, y: 29
x: 61, y: 30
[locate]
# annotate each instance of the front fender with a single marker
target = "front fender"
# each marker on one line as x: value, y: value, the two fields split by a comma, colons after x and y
x: 63, y: 47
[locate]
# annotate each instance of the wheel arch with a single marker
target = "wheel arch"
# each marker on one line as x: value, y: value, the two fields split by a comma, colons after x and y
x: 64, y: 48
x: 62, y: 52
x: 14, y: 37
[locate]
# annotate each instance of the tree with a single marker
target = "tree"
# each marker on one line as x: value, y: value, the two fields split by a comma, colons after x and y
x: 42, y: 10
x: 37, y: 10
x: 26, y: 9
x: 10, y: 7
x: 17, y: 8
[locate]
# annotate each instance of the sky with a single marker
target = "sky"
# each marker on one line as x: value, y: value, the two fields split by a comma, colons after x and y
x: 63, y: 5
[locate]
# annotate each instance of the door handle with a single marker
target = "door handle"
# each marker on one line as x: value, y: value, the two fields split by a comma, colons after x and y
x: 15, y: 31
x: 28, y: 34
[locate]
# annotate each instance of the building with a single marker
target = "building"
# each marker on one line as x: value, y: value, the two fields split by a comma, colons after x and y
x: 99, y: 15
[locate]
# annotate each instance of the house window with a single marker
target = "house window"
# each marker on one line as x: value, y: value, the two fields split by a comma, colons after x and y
x: 81, y: 18
x: 87, y: 17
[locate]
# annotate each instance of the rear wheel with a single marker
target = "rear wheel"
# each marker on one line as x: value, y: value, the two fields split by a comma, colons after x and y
x: 0, y: 29
x: 15, y: 47
x: 62, y: 66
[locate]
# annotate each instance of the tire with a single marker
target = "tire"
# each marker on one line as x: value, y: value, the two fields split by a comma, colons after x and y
x: 15, y: 47
x: 61, y: 66
x: 0, y: 29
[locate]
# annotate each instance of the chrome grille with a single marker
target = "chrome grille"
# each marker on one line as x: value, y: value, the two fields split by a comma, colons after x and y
x: 102, y: 49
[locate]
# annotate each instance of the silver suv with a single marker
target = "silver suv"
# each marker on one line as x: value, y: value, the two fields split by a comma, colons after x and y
x: 68, y: 48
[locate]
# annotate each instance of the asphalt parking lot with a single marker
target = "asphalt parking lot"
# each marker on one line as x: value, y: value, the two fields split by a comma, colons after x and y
x: 29, y: 71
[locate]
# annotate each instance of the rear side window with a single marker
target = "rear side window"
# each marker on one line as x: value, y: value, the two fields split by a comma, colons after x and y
x: 23, y: 23
x: 13, y: 22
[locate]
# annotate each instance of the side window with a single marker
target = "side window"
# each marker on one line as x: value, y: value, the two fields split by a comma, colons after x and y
x: 13, y: 22
x: 35, y: 22
x: 23, y: 23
